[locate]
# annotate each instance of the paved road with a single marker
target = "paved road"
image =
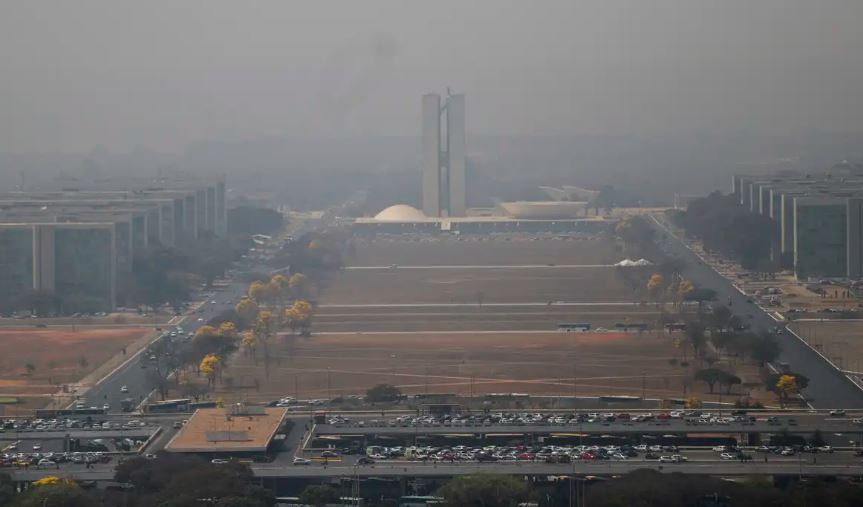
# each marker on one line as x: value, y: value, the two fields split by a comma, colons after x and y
x: 140, y: 433
x: 828, y: 388
x: 837, y: 464
x: 130, y: 373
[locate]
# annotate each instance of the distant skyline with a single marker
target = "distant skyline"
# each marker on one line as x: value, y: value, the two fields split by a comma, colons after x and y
x: 162, y: 74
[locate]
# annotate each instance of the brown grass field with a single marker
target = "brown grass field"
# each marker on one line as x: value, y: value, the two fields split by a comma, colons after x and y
x: 331, y: 365
x: 464, y: 286
x: 56, y: 355
x: 451, y: 345
x: 489, y: 250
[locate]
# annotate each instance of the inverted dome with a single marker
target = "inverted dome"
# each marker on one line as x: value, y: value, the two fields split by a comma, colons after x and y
x: 400, y: 213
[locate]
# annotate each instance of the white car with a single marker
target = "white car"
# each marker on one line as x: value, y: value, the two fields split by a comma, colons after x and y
x: 106, y: 407
x: 124, y: 389
x: 720, y: 448
x: 302, y: 461
x: 219, y: 461
x: 726, y: 455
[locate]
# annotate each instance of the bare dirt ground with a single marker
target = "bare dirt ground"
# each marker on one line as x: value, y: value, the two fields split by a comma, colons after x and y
x: 470, y: 286
x: 476, y: 318
x: 430, y: 333
x: 56, y: 356
x: 331, y: 365
x: 491, y: 250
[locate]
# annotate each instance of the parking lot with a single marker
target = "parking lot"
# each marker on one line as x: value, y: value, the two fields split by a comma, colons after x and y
x: 668, y: 437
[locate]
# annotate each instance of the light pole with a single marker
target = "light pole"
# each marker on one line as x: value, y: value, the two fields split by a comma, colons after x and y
x: 643, y: 385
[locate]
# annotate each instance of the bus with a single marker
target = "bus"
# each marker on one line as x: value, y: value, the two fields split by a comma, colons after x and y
x: 580, y: 327
x: 626, y: 326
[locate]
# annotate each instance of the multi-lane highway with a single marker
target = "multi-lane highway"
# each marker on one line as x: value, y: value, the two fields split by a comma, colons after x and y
x: 828, y: 388
x: 791, y: 467
x: 134, y: 377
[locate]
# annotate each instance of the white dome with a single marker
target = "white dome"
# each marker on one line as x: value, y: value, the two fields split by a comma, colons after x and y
x: 401, y: 213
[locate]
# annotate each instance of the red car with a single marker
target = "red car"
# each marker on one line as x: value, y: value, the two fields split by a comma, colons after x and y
x: 526, y: 456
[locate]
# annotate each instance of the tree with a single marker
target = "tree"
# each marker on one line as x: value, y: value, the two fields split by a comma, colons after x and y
x: 210, y: 366
x: 53, y: 492
x: 695, y: 336
x: 713, y: 376
x: 264, y: 329
x: 692, y: 402
x: 260, y: 292
x: 299, y: 316
x: 298, y: 284
x: 765, y: 348
x: 655, y: 284
x: 206, y: 332
x: 249, y: 220
x: 484, y: 490
x: 786, y: 387
x: 228, y: 330
x: 637, y: 235
x: 684, y: 289
x: 383, y: 393
x: 720, y: 317
x: 249, y: 343
x: 7, y: 489
x: 279, y: 288
x: 247, y: 309
x: 319, y: 495
x: 30, y: 367
x: 730, y: 380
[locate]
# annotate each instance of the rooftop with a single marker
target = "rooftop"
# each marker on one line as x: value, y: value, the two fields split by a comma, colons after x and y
x: 230, y: 429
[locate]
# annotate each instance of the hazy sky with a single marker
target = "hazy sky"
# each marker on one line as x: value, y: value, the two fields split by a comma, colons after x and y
x: 161, y: 74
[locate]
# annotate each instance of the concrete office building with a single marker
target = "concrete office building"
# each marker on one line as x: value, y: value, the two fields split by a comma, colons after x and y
x: 78, y: 242
x: 818, y: 220
x: 443, y: 156
x: 184, y: 207
x: 68, y: 259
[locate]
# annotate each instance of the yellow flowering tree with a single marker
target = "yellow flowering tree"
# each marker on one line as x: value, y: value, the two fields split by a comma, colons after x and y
x: 210, y: 366
x: 260, y: 292
x: 247, y: 309
x: 299, y: 316
x: 228, y: 330
x: 206, y: 332
x: 264, y: 330
x: 48, y: 480
x: 298, y: 284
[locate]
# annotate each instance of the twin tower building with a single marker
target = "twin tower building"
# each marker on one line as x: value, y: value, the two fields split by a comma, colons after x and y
x: 443, y: 155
